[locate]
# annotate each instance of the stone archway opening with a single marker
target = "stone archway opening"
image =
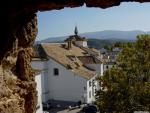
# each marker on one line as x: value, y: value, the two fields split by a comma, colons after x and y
x: 19, y: 29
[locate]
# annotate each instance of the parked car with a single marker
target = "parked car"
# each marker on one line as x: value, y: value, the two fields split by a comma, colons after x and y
x: 89, y: 109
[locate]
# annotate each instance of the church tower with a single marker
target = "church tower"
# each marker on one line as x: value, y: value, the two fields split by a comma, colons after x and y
x: 76, y: 30
x: 76, y: 39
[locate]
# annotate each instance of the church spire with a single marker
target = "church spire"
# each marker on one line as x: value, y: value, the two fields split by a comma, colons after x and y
x: 76, y: 30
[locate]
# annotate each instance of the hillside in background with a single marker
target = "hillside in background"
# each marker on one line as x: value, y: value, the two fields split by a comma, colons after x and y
x: 100, y: 43
x: 101, y: 38
x: 106, y: 34
x: 114, y: 34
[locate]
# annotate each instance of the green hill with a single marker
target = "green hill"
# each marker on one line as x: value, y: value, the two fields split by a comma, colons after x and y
x: 100, y: 43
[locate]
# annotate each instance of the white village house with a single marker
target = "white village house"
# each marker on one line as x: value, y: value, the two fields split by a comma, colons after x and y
x: 39, y: 107
x: 68, y: 71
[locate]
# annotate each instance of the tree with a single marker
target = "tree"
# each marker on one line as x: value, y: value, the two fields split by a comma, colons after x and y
x: 126, y: 88
x: 118, y: 44
x: 108, y: 47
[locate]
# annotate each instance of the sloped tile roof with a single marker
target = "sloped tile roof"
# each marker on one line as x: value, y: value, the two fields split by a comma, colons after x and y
x: 62, y: 55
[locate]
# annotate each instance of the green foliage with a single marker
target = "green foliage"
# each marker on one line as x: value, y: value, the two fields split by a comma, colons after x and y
x: 97, y: 43
x: 108, y: 47
x: 101, y: 43
x: 118, y: 44
x: 126, y: 88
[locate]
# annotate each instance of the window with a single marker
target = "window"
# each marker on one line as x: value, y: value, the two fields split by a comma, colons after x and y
x: 89, y: 94
x: 93, y: 83
x: 93, y: 92
x: 89, y: 83
x: 84, y: 88
x: 56, y: 71
x: 106, y: 67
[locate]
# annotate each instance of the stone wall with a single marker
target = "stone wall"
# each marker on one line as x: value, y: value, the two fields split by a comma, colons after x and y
x: 17, y: 85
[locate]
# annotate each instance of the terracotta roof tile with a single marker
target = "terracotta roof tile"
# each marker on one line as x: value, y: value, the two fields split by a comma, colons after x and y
x: 60, y: 54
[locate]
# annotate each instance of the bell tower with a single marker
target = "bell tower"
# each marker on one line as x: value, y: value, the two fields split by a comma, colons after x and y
x: 76, y: 30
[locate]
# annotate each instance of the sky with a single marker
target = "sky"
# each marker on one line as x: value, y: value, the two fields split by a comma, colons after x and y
x: 127, y: 16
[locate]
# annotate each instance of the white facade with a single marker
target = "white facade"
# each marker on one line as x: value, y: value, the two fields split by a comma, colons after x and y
x: 97, y: 67
x: 108, y: 66
x: 66, y: 86
x: 43, y: 66
x: 91, y: 89
x: 39, y: 90
x: 81, y: 43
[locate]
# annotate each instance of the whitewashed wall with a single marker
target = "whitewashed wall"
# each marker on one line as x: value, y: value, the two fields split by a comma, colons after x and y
x: 45, y: 86
x: 43, y: 66
x: 67, y: 86
x: 39, y: 90
x: 105, y: 66
x: 97, y: 67
x: 81, y: 43
x: 91, y: 91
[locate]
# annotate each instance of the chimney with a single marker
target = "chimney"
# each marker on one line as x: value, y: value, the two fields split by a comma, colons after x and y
x: 69, y: 44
